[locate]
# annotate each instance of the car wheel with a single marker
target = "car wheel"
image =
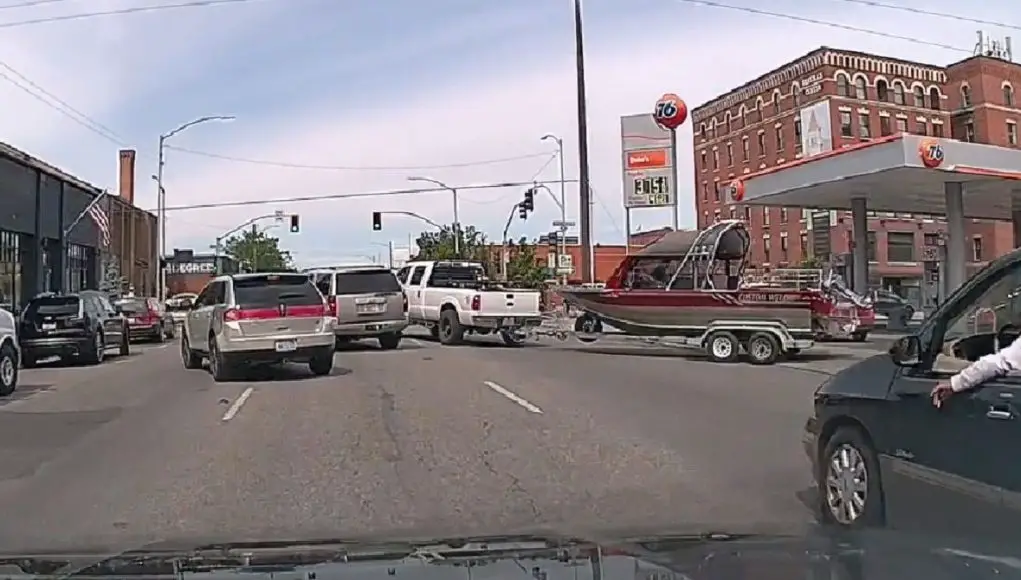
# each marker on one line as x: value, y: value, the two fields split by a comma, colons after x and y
x: 390, y: 340
x: 189, y: 357
x: 219, y: 367
x: 8, y: 369
x: 763, y: 348
x: 850, y: 488
x: 125, y: 349
x: 161, y: 334
x: 722, y: 346
x: 96, y: 351
x: 321, y: 364
x: 451, y: 331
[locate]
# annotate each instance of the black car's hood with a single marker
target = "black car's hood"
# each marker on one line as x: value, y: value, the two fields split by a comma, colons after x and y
x: 822, y: 556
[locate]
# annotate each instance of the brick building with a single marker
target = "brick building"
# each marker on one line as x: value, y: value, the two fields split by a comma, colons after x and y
x: 860, y: 97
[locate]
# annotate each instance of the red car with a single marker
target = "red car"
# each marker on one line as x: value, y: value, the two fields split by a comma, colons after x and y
x: 147, y: 319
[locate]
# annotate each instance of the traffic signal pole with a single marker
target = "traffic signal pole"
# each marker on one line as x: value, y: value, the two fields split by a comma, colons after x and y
x: 218, y: 246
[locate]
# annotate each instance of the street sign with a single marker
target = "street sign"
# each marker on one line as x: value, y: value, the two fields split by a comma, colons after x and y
x: 647, y: 163
x: 563, y: 225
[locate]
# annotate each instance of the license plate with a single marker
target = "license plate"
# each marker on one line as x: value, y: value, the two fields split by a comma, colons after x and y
x: 372, y: 309
x: 286, y: 346
x: 49, y: 326
x: 132, y: 321
x: 371, y: 327
x: 508, y: 322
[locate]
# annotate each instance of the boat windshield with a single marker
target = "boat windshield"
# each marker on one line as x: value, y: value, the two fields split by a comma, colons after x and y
x: 652, y: 273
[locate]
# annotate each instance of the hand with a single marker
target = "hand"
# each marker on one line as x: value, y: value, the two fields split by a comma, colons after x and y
x: 940, y: 393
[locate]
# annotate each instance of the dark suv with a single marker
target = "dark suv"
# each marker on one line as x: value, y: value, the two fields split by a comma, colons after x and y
x: 80, y: 326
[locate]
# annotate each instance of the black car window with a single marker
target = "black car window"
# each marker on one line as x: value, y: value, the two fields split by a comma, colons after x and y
x: 366, y: 282
x: 270, y: 290
x: 456, y: 276
x: 322, y: 282
x: 54, y: 306
x: 416, y: 276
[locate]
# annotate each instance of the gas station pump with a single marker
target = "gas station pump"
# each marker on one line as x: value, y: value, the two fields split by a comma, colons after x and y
x: 933, y: 277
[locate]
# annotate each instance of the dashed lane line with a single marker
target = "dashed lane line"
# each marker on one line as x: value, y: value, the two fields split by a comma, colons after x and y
x: 232, y: 411
x: 513, y: 397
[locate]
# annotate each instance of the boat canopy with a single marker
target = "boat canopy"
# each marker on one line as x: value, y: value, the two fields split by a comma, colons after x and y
x: 728, y: 240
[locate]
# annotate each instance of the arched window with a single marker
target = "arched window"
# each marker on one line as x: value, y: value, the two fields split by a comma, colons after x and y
x: 776, y: 102
x: 919, y: 96
x: 882, y: 91
x: 861, y: 91
x: 898, y: 92
x: 1008, y: 95
x: 843, y: 85
x: 965, y: 96
x: 934, y: 98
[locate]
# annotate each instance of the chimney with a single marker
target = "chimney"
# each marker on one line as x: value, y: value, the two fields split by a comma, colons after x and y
x: 126, y: 175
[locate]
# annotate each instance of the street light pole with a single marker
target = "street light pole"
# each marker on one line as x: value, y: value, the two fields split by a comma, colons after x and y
x: 585, y: 210
x: 161, y: 199
x: 457, y: 221
x: 562, y: 242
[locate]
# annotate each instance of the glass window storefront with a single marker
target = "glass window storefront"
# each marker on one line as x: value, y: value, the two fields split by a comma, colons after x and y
x: 10, y: 270
x: 77, y: 267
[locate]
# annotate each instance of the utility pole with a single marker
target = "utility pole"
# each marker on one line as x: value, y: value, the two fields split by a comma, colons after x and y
x: 583, y: 174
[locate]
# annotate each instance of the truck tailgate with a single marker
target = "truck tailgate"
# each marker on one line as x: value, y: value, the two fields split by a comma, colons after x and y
x: 509, y: 303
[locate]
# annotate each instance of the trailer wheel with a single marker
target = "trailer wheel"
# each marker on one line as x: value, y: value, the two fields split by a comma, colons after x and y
x: 588, y: 327
x: 722, y: 346
x: 763, y: 348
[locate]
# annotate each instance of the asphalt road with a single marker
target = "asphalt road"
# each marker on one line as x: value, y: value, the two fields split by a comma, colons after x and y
x: 427, y: 441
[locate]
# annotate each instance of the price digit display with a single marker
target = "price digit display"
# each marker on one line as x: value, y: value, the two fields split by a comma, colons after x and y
x: 655, y: 189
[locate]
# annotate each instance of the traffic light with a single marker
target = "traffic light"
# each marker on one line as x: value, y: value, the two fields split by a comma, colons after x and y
x: 294, y: 224
x: 377, y: 221
x: 553, y: 239
x: 522, y: 211
x: 529, y: 203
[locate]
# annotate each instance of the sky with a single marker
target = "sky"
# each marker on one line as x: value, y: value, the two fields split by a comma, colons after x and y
x: 346, y: 97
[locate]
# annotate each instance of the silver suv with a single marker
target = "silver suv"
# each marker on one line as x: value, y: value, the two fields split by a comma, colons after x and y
x: 246, y: 320
x: 367, y: 301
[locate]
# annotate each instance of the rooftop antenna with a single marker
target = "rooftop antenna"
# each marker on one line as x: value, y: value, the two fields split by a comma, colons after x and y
x: 1001, y: 49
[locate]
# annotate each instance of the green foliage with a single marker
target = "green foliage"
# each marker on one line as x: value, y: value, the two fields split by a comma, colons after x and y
x: 440, y: 246
x: 257, y: 252
x: 524, y: 270
x: 812, y: 262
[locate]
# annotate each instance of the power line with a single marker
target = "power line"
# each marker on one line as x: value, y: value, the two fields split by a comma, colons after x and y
x: 289, y: 165
x: 29, y: 4
x: 947, y: 15
x: 115, y: 12
x: 836, y: 25
x: 384, y: 193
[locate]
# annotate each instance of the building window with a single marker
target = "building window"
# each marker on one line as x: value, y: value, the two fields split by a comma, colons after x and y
x: 705, y: 160
x: 783, y: 215
x: 716, y: 216
x: 765, y: 248
x: 705, y: 191
x: 729, y: 122
x: 712, y: 129
x: 898, y: 92
x: 730, y: 155
x: 716, y: 159
x: 776, y: 103
x: 797, y: 134
x: 861, y: 89
x: 902, y: 125
x: 845, y: 124
x: 733, y: 212
x: 843, y: 85
x: 976, y: 249
x: 864, y: 131
x: 969, y: 131
x: 716, y: 191
x: 965, y: 96
x: 747, y: 214
x: 765, y: 216
x: 884, y: 126
x: 77, y: 267
x: 805, y: 250
x: 796, y: 95
x: 937, y: 129
x: 783, y: 247
x: 744, y: 148
x: 762, y: 144
x: 870, y: 248
x: 701, y: 130
x: 930, y: 239
x: 779, y: 139
x: 934, y: 99
x: 900, y: 247
x: 1012, y: 133
x: 1008, y: 95
x: 882, y: 91
x: 921, y: 128
x: 10, y: 271
x: 919, y: 94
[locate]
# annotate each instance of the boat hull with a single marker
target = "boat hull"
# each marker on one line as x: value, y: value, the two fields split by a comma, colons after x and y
x: 689, y: 313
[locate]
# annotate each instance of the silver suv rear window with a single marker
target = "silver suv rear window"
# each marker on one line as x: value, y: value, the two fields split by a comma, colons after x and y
x: 367, y: 282
x: 273, y: 289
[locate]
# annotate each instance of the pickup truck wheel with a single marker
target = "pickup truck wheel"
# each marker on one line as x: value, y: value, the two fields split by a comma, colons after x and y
x: 451, y: 331
x: 390, y: 340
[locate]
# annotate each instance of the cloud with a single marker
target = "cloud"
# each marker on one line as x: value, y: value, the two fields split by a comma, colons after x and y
x: 437, y: 88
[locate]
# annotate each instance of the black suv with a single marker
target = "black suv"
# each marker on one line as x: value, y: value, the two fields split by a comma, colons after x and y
x: 80, y: 326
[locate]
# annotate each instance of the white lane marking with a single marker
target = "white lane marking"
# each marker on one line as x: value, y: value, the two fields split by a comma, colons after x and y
x: 528, y: 406
x: 233, y: 410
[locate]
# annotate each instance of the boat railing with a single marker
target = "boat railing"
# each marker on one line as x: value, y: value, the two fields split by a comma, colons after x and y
x: 790, y: 278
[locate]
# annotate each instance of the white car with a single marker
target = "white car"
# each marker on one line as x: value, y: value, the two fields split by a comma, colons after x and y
x: 10, y: 353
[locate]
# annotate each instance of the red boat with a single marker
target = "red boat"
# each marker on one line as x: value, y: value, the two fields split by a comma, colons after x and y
x: 689, y: 285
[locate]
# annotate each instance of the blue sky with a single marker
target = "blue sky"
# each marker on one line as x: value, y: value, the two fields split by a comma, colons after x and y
x: 397, y: 83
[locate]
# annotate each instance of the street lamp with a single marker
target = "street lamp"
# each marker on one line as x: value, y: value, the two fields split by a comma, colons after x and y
x: 457, y: 225
x: 161, y: 199
x: 563, y: 198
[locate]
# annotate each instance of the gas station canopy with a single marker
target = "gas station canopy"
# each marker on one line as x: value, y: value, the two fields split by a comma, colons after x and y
x: 901, y: 173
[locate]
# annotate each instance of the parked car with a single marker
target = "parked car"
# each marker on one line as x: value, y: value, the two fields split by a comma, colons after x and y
x: 178, y: 306
x: 10, y: 353
x: 891, y: 305
x: 884, y: 455
x: 243, y: 320
x: 80, y: 327
x: 367, y: 301
x: 147, y: 319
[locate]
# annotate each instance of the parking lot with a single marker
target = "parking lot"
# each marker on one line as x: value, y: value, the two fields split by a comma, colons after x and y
x: 425, y: 440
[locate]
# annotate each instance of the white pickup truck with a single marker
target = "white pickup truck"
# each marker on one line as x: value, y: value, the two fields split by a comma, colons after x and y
x: 452, y: 299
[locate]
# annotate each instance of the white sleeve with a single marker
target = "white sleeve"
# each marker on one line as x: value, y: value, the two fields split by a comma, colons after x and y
x: 990, y: 366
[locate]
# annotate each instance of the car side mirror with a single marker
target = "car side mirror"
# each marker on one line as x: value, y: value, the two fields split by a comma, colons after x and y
x: 906, y: 351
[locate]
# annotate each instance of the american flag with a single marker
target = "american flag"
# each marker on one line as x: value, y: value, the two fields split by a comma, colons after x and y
x: 102, y: 222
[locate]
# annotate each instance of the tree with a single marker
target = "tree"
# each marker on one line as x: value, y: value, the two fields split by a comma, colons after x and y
x: 523, y: 268
x: 440, y: 246
x: 257, y: 252
x: 110, y: 280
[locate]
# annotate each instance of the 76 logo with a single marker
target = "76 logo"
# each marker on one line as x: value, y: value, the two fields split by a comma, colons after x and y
x: 934, y: 152
x: 666, y: 110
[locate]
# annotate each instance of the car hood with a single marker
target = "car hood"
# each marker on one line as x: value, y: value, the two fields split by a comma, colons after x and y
x: 820, y: 555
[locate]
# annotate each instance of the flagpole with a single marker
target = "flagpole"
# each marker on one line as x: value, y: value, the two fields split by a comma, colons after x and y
x: 66, y: 278
x: 84, y: 212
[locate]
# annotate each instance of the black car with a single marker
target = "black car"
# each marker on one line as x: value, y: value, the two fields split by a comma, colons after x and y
x: 884, y: 455
x: 80, y: 327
